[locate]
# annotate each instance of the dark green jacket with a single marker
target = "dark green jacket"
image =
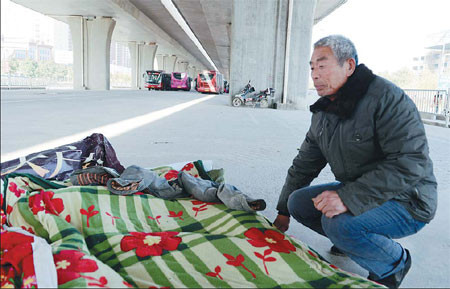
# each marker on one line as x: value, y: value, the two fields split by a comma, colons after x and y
x: 374, y: 141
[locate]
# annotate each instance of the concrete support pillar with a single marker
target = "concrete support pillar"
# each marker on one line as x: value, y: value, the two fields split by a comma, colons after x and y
x: 169, y: 63
x: 77, y: 25
x: 270, y: 45
x: 182, y: 66
x: 147, y: 54
x: 299, y: 54
x: 192, y: 71
x: 91, y: 40
x: 142, y: 59
x: 159, y: 62
x: 99, y: 32
x: 133, y: 47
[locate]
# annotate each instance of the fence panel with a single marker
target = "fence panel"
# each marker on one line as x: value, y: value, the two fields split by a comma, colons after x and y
x: 430, y: 101
x: 435, y: 102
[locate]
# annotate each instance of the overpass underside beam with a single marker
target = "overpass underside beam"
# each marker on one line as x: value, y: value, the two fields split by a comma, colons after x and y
x: 91, y: 38
x: 271, y: 45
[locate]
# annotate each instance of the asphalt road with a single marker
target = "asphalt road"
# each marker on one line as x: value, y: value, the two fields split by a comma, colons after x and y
x: 254, y: 146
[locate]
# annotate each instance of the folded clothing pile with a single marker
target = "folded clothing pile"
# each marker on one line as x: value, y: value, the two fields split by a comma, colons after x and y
x: 168, y: 185
x: 93, y: 161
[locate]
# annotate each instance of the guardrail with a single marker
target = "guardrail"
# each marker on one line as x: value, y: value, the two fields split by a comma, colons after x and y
x: 23, y: 82
x: 14, y: 82
x: 431, y: 102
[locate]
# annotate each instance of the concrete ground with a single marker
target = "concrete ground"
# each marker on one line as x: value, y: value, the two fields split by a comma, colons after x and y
x: 254, y: 146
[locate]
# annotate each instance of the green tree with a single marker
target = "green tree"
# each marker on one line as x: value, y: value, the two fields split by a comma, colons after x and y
x: 29, y: 68
x: 46, y: 69
x: 13, y: 65
x: 427, y: 80
x: 408, y: 79
x: 62, y: 72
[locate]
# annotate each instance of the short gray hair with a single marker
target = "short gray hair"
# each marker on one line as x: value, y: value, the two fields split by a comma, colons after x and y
x: 341, y: 46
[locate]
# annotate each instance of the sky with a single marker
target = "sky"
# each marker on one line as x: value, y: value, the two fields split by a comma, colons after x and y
x: 18, y: 21
x: 387, y: 33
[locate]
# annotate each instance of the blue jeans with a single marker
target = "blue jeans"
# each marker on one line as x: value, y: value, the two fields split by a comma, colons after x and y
x: 367, y: 238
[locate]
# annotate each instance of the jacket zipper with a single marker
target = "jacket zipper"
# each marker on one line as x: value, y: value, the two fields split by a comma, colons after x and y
x: 340, y: 145
x: 326, y: 142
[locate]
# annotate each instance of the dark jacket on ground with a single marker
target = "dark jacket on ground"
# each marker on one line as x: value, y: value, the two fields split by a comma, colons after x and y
x: 372, y: 136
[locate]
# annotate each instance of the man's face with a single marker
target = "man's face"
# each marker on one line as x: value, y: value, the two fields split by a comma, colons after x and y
x: 328, y: 76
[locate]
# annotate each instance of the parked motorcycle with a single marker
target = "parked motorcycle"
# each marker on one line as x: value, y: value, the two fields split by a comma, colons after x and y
x: 245, y: 96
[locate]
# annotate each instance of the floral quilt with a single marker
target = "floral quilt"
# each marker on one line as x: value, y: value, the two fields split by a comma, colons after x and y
x: 99, y: 239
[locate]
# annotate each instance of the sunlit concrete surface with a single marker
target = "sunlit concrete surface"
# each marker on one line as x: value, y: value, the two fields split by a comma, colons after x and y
x: 254, y: 146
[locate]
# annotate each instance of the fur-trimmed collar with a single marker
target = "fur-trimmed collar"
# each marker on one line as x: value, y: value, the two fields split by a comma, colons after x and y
x: 348, y: 95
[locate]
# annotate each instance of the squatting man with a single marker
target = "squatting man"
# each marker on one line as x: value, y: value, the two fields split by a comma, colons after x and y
x: 370, y: 133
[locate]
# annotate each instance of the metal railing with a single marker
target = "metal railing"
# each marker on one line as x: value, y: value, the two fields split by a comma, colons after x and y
x: 431, y: 102
x: 23, y: 82
x: 13, y: 81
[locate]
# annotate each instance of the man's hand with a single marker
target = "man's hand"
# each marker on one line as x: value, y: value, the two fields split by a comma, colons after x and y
x: 282, y: 223
x: 329, y: 203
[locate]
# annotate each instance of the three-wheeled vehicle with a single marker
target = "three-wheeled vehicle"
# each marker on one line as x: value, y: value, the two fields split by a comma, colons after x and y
x: 245, y: 97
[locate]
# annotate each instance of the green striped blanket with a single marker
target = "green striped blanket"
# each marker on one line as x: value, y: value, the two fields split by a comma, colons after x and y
x: 104, y: 240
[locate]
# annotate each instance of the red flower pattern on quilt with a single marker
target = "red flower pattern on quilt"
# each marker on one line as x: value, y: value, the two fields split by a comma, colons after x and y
x: 238, y: 262
x: 197, y: 202
x: 203, y: 206
x: 44, y: 202
x: 265, y: 258
x: 7, y: 274
x: 69, y: 264
x: 199, y: 209
x: 2, y: 213
x: 17, y: 260
x: 312, y: 254
x: 100, y: 282
x: 216, y: 273
x: 30, y: 230
x: 112, y: 217
x: 171, y: 175
x: 150, y: 244
x: 172, y: 214
x: 13, y: 188
x: 188, y: 167
x: 155, y: 219
x: 271, y: 238
x: 89, y: 213
x: 127, y: 284
x: 334, y: 266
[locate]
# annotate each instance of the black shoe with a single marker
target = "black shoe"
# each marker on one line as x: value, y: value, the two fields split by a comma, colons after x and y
x: 394, y: 280
x: 335, y: 251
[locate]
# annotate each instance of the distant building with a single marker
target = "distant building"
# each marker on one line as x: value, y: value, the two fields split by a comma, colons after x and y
x: 40, y: 52
x: 13, y: 47
x: 120, y: 54
x: 435, y: 60
x: 436, y: 57
x: 63, y: 48
x: 20, y: 48
x: 62, y: 37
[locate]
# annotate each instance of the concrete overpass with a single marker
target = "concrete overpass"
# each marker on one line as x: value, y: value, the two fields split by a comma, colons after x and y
x: 267, y: 41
